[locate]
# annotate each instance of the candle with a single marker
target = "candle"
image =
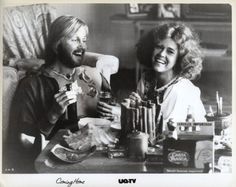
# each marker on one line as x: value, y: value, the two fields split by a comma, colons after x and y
x: 149, y: 121
x: 136, y: 112
x: 220, y: 105
x: 144, y: 114
x: 141, y: 126
x: 217, y: 102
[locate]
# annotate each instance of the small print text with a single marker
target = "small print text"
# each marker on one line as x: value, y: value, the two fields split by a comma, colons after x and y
x: 69, y: 182
x: 126, y: 181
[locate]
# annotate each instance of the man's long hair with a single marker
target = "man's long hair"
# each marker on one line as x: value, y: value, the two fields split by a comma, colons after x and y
x: 62, y: 27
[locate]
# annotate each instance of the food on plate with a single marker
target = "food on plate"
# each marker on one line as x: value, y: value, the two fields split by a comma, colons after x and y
x: 71, y: 156
x: 90, y: 135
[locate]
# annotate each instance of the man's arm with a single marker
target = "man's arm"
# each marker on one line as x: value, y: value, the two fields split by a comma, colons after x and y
x: 106, y: 64
x: 30, y: 108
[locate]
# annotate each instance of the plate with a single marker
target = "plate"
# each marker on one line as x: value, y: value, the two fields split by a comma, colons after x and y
x: 96, y: 121
x: 71, y: 156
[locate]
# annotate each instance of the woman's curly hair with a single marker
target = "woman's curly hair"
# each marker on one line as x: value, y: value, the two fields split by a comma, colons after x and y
x: 190, y: 57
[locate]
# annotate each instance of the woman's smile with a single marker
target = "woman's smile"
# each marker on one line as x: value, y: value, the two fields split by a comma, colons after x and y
x: 165, y: 55
x: 160, y: 60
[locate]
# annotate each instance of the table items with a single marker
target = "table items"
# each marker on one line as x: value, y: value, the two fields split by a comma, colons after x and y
x: 106, y: 97
x: 221, y: 119
x: 137, y: 145
x: 155, y: 154
x: 71, y: 156
x: 192, y: 150
x: 115, y: 159
x: 223, y: 151
x: 79, y: 140
x: 119, y: 152
x: 93, y: 131
x: 138, y: 117
x: 224, y: 164
x: 223, y: 139
x: 72, y: 108
x: 71, y: 111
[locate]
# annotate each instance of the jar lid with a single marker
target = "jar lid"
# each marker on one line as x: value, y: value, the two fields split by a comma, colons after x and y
x: 137, y: 134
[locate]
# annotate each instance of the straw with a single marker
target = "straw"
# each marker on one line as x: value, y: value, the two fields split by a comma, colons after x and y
x: 211, y: 113
x: 219, y: 104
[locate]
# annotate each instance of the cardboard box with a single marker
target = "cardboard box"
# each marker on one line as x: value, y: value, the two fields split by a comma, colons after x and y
x: 192, y: 151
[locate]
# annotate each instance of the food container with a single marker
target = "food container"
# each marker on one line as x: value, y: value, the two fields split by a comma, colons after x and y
x: 222, y: 121
x: 105, y: 97
x: 137, y: 144
x: 192, y: 151
x: 154, y: 154
x: 116, y: 152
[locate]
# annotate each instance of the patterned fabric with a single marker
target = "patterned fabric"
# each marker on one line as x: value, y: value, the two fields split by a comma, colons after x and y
x: 10, y: 78
x: 25, y: 30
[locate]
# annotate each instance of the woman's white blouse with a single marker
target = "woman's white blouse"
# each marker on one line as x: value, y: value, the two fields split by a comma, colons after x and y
x: 179, y: 99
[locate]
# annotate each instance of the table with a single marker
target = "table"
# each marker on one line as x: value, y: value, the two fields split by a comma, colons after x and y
x: 97, y: 163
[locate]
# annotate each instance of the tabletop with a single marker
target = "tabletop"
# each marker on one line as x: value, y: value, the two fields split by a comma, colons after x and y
x: 99, y: 162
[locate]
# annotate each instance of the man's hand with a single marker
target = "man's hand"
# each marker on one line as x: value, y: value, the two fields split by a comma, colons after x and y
x: 60, y: 103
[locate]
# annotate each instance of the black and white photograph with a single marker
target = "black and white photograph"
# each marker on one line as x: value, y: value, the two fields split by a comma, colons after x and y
x: 141, y: 10
x: 169, y: 10
x: 105, y: 94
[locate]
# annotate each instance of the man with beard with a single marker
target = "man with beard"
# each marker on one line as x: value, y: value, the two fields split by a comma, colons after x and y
x: 41, y: 99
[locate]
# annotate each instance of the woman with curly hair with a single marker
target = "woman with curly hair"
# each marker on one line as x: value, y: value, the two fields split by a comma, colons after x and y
x: 173, y: 56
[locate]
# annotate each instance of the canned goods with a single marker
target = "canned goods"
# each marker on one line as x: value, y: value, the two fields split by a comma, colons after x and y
x: 137, y: 145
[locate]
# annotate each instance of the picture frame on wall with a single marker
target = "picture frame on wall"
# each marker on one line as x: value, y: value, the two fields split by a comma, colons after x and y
x: 141, y: 10
x: 206, y: 11
x: 169, y: 11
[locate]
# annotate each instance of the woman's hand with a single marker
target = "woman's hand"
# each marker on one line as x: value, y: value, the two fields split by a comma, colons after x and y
x: 108, y: 111
x: 60, y: 103
x: 135, y: 98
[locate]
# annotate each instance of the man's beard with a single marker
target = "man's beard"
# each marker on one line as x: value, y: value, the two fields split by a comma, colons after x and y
x: 66, y: 58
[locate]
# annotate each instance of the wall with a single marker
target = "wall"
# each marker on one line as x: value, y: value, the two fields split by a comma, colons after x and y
x: 119, y: 38
x: 105, y: 37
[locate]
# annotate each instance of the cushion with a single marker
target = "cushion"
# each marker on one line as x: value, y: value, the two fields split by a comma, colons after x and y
x: 10, y: 80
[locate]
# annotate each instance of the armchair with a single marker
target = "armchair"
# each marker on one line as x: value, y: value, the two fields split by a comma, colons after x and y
x: 25, y: 30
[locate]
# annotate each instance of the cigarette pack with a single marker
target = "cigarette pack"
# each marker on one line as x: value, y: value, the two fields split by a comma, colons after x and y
x: 117, y: 152
x: 154, y: 155
x: 192, y: 151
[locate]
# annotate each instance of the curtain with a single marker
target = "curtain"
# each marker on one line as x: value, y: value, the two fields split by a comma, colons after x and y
x: 25, y: 30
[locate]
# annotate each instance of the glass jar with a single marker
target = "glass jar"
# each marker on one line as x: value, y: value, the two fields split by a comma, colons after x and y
x: 105, y: 96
